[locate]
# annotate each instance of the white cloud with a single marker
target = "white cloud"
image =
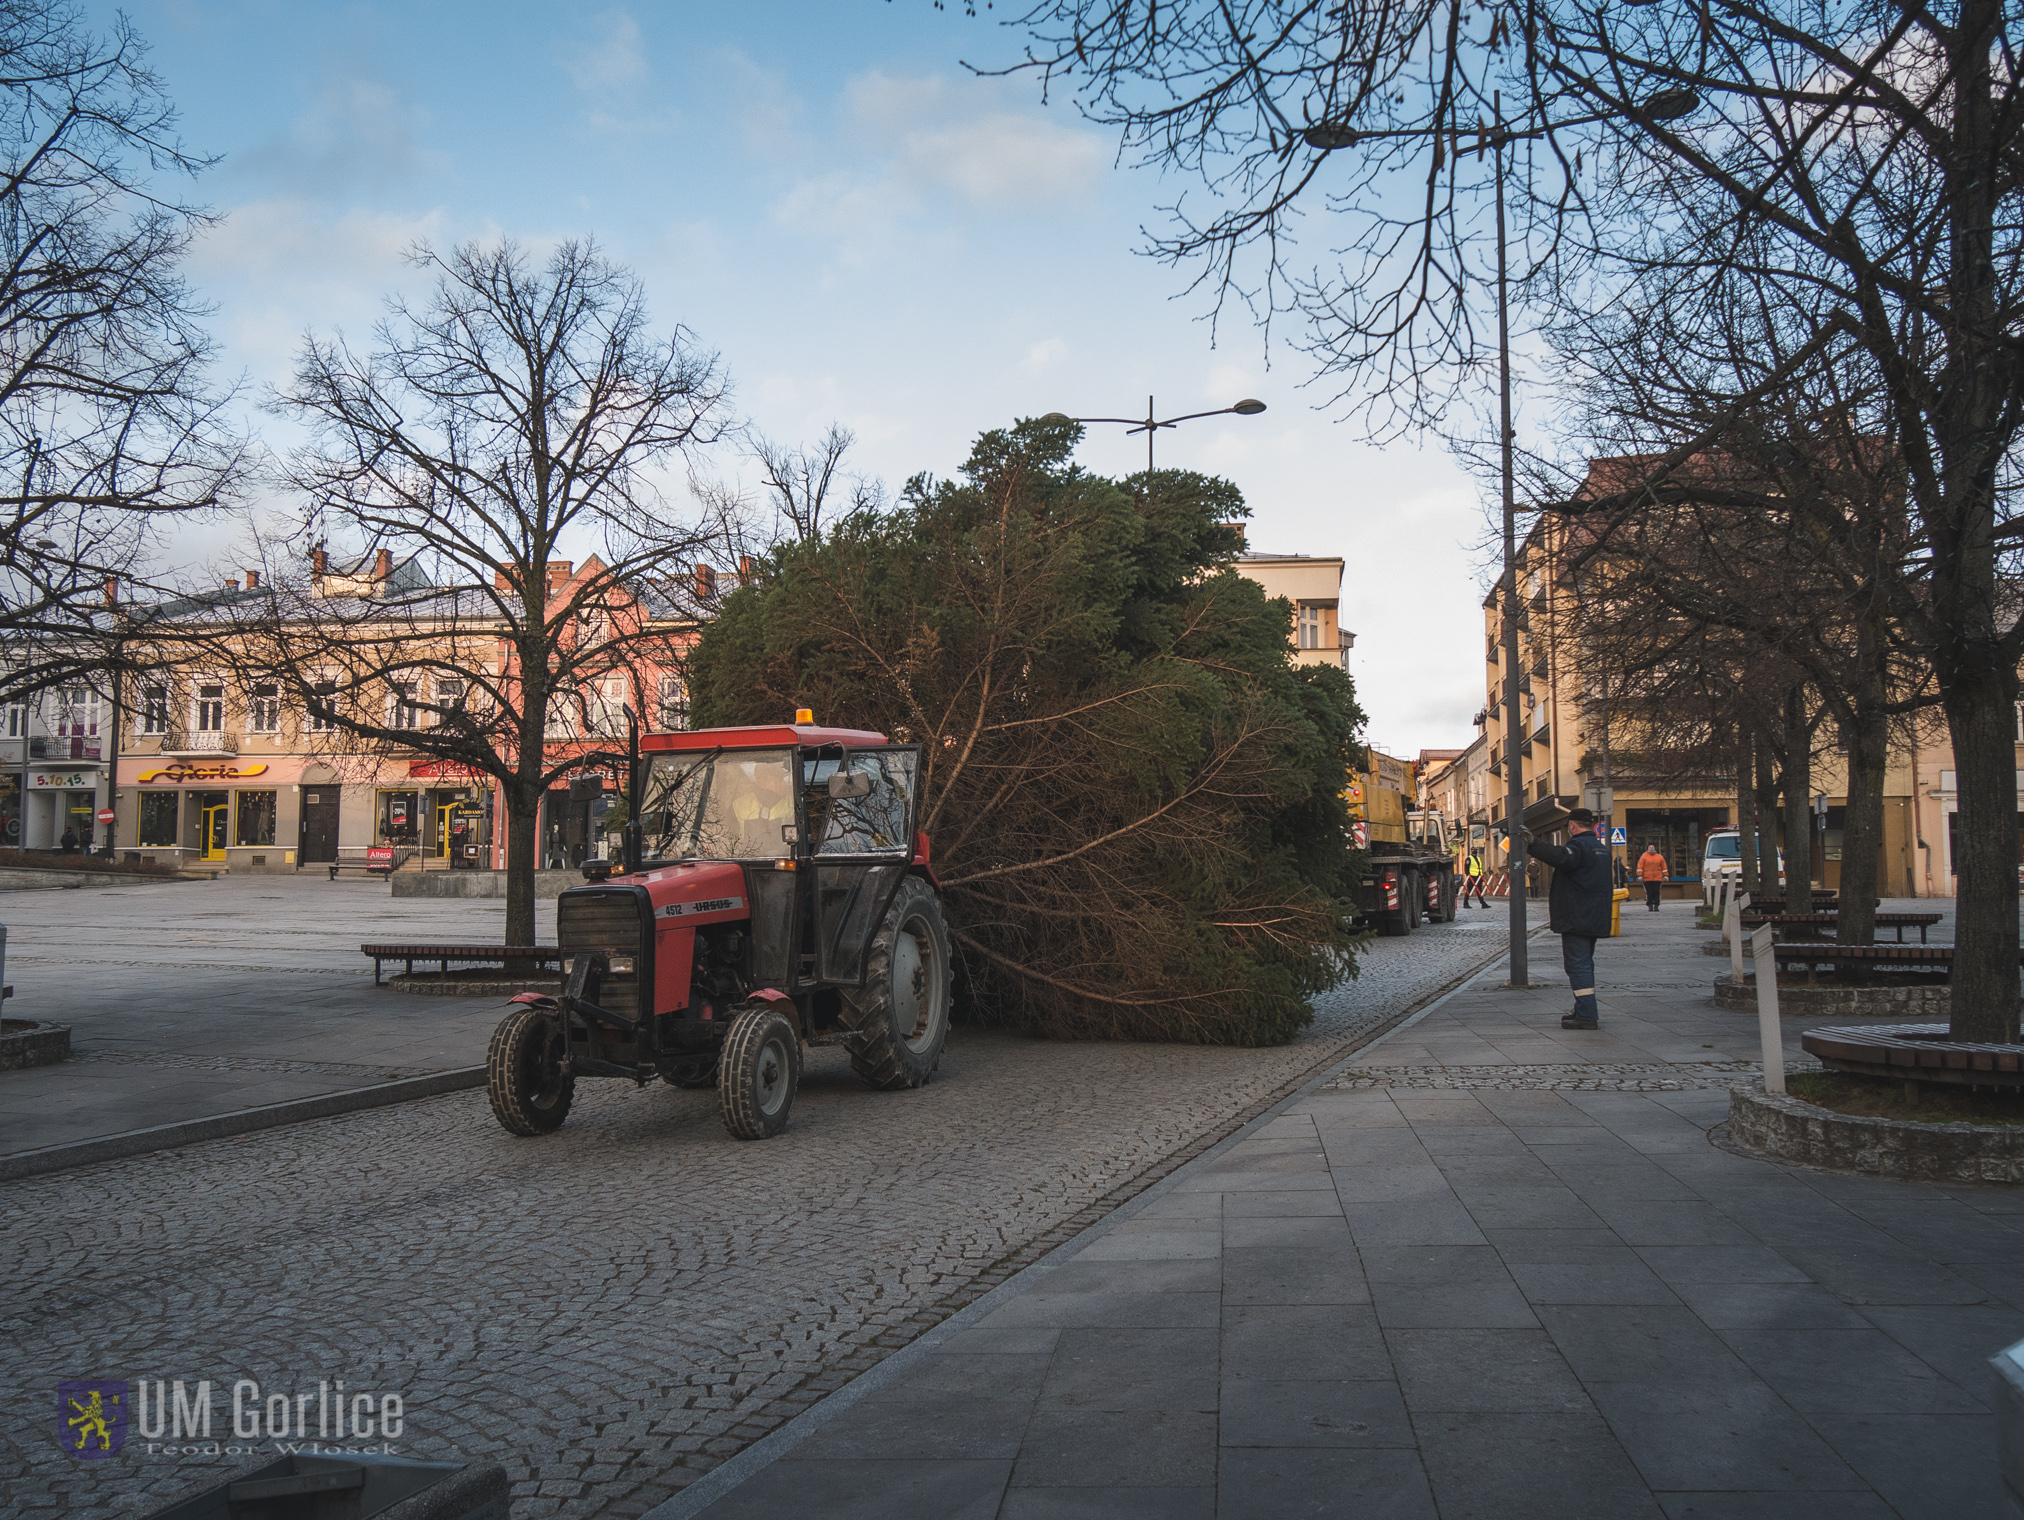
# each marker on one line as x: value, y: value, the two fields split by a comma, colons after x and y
x: 359, y: 136
x: 952, y: 138
x: 1044, y: 353
x: 611, y: 58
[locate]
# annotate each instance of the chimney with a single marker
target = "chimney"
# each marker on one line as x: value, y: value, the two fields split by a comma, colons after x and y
x: 383, y: 564
x: 252, y: 580
x: 744, y: 569
x: 502, y: 581
x: 1236, y: 528
x: 112, y: 591
x: 231, y: 583
x: 706, y: 581
x: 319, y: 561
x: 559, y: 572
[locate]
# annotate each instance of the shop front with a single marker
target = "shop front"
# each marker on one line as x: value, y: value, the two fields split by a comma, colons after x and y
x: 443, y: 814
x: 60, y: 808
x: 242, y: 815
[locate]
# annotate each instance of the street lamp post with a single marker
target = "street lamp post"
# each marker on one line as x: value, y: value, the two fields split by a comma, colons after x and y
x: 1326, y: 137
x: 1150, y: 425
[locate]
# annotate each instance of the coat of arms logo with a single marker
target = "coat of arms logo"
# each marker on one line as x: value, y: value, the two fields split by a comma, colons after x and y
x: 93, y: 1418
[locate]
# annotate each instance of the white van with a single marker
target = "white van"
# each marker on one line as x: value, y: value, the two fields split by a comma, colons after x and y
x: 1722, y: 857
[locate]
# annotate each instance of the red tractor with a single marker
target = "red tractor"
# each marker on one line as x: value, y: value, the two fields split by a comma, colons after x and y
x: 775, y: 893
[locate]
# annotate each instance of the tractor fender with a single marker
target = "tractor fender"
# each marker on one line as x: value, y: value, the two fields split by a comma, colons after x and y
x: 770, y: 994
x: 535, y: 999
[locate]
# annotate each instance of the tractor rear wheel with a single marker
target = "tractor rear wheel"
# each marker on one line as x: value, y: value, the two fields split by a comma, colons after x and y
x: 902, y: 1015
x: 757, y: 1074
x: 529, y: 1091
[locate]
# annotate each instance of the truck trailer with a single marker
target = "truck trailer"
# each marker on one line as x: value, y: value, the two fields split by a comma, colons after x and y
x: 1409, y: 878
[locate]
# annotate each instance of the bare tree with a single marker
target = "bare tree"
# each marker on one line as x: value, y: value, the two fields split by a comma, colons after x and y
x: 107, y: 425
x: 803, y: 482
x: 516, y: 413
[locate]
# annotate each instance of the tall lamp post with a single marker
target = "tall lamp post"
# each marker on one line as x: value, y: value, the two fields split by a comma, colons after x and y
x: 1149, y: 425
x: 1665, y: 105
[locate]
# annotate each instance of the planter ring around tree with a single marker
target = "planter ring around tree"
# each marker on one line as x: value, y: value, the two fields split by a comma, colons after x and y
x: 1916, y: 1053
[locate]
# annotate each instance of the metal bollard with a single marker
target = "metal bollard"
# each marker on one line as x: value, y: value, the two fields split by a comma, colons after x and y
x: 1732, y: 930
x: 1767, y: 1009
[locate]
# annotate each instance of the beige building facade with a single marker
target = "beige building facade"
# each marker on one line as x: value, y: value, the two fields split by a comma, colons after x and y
x: 1313, y: 584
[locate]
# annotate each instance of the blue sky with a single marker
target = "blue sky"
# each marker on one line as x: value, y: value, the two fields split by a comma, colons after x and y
x: 865, y: 232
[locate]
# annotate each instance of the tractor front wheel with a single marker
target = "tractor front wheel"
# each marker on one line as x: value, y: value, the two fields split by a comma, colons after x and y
x: 757, y: 1074
x: 902, y: 1015
x: 524, y: 1079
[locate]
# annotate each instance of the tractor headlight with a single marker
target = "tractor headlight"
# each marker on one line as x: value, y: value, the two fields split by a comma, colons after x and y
x: 622, y: 965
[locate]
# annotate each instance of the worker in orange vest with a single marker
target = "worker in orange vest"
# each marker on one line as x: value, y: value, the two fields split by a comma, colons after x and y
x: 1652, y: 871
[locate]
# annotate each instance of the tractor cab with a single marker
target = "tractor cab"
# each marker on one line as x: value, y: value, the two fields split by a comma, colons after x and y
x: 775, y: 894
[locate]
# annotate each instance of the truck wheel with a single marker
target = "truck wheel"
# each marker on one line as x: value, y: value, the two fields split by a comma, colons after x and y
x: 757, y: 1074
x: 529, y: 1091
x: 1394, y: 925
x: 902, y: 1015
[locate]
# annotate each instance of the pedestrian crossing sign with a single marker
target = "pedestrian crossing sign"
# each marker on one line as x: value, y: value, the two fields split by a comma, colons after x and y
x: 1618, y: 836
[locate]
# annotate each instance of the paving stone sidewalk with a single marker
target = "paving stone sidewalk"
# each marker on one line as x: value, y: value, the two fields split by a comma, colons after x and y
x: 192, y: 998
x: 1491, y: 1268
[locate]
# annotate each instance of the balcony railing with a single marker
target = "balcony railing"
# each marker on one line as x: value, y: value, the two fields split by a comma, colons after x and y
x: 201, y: 742
x: 67, y: 747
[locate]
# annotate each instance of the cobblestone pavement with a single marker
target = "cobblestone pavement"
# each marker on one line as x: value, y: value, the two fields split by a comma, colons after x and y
x: 1490, y: 1269
x: 613, y: 1309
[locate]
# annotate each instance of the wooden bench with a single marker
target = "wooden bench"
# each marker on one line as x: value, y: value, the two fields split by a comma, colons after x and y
x: 1920, y: 1052
x: 520, y: 960
x: 1898, y: 921
x: 358, y: 857
x: 1813, y: 956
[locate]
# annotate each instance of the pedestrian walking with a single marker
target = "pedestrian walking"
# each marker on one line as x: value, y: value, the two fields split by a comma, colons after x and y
x: 1578, y: 906
x: 1473, y: 880
x: 1652, y: 871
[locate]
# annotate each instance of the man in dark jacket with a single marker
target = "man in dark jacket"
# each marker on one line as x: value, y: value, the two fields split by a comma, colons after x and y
x: 1578, y: 906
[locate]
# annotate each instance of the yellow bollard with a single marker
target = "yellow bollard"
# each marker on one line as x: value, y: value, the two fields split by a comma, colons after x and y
x: 1616, y: 902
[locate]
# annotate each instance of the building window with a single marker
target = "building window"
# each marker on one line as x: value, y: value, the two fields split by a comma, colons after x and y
x: 405, y: 714
x: 672, y: 706
x: 211, y: 709
x: 158, y: 819
x: 450, y: 696
x: 2020, y: 722
x: 604, y: 707
x: 322, y: 703
x: 263, y: 708
x: 77, y: 712
x: 17, y: 720
x: 255, y: 823
x: 155, y: 711
x: 1310, y: 627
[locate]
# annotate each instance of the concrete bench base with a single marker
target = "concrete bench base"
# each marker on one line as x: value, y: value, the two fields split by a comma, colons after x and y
x: 1927, y: 1000
x: 1780, y: 1128
x: 26, y: 1042
x: 426, y: 984
x: 478, y: 883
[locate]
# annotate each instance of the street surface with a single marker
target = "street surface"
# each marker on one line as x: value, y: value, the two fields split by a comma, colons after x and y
x: 610, y: 1310
x: 1487, y: 1268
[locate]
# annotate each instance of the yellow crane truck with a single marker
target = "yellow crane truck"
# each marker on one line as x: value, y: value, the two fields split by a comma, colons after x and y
x: 1409, y: 878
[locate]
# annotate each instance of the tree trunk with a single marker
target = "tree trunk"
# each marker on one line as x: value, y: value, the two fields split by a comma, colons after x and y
x: 1766, y: 803
x: 1984, y: 976
x: 1862, y: 826
x: 1746, y: 813
x: 1798, y: 803
x: 523, y: 804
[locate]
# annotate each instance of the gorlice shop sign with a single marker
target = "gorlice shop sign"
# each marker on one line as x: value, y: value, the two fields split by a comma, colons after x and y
x: 178, y: 773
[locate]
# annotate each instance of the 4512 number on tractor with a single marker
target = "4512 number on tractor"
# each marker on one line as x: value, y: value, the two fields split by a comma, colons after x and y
x: 774, y: 893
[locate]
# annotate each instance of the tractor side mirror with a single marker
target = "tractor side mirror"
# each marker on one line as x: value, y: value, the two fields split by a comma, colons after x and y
x: 850, y: 784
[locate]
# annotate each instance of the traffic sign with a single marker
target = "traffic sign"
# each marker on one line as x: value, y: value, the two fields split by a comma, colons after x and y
x: 1618, y: 836
x: 105, y: 815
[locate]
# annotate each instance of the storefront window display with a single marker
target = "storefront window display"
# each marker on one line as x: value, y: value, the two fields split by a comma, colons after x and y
x: 157, y: 826
x: 255, y: 821
x: 80, y: 816
x: 400, y: 818
x: 1677, y: 832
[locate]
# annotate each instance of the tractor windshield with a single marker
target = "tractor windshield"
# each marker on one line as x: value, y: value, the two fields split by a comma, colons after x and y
x: 736, y: 805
